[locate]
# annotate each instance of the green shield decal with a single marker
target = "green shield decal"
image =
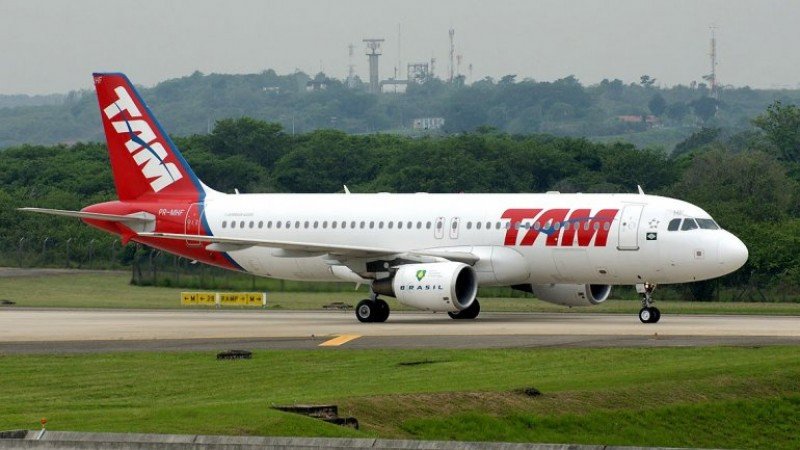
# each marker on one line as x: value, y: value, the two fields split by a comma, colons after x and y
x: 421, y: 275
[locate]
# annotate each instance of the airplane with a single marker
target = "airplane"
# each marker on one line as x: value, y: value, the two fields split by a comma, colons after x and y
x: 428, y: 251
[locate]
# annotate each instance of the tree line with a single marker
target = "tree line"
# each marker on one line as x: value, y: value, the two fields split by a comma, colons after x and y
x: 565, y: 107
x: 747, y: 180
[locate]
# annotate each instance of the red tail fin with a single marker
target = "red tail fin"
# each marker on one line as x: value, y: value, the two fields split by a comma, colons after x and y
x: 144, y: 160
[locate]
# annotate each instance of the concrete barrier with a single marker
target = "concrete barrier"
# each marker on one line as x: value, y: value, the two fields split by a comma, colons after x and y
x: 71, y: 440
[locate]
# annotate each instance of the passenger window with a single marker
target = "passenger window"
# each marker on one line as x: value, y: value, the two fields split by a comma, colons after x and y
x: 233, y: 224
x: 224, y: 224
x: 607, y: 226
x: 333, y: 224
x: 260, y: 224
x: 707, y: 224
x: 391, y: 224
x: 316, y: 224
x: 469, y: 225
x: 344, y: 224
x: 305, y: 224
x: 361, y: 225
x: 269, y: 224
x: 419, y: 225
x: 241, y: 224
x: 297, y: 224
x: 428, y: 225
x: 586, y: 226
x: 371, y: 224
x: 399, y: 224
x: 324, y: 224
x: 477, y: 225
x: 380, y: 224
x: 438, y: 225
x: 596, y: 226
x: 252, y: 224
x: 689, y: 224
x: 353, y: 224
x: 674, y: 224
x: 409, y: 224
x: 278, y: 224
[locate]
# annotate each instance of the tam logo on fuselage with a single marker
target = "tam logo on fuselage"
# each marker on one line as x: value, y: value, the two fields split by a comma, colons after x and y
x: 148, y: 154
x: 561, y: 227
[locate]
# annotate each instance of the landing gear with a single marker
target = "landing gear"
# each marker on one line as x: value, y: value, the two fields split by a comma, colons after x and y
x: 469, y: 313
x: 372, y: 310
x: 648, y: 313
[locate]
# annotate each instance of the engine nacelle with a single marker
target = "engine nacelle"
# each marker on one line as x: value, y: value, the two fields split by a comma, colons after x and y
x: 571, y: 294
x: 444, y: 286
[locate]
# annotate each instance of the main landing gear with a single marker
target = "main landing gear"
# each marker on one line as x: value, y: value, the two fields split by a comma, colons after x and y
x: 648, y: 313
x: 469, y: 313
x: 372, y: 309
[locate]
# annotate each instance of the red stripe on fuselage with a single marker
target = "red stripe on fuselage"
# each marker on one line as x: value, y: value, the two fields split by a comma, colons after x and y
x: 170, y: 218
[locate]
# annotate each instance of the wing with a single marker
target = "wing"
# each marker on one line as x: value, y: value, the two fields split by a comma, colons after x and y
x: 309, y: 248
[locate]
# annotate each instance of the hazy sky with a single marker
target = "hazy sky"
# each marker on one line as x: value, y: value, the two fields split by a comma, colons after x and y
x: 53, y: 46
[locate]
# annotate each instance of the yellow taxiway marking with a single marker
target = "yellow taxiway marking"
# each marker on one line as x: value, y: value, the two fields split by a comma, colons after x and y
x: 339, y: 340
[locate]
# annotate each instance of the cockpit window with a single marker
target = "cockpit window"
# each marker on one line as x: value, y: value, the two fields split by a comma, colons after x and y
x: 707, y: 224
x: 674, y: 224
x: 689, y: 224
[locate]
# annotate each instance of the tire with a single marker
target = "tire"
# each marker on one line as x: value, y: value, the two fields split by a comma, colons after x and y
x: 656, y: 315
x: 381, y: 310
x: 467, y: 314
x: 366, y: 311
x: 645, y: 315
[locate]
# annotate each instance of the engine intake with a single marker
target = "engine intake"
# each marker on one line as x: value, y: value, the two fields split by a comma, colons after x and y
x: 569, y: 294
x: 444, y: 286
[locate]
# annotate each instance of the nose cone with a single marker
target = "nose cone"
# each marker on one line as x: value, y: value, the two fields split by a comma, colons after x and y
x: 732, y: 253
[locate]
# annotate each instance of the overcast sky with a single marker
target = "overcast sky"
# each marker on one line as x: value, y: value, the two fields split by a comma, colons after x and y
x: 53, y: 46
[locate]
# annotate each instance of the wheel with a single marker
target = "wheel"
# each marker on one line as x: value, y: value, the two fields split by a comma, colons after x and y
x: 645, y: 315
x: 366, y: 310
x: 656, y: 314
x: 382, y: 311
x: 470, y: 313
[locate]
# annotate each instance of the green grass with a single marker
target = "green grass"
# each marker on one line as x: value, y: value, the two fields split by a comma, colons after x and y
x: 113, y: 290
x: 698, y: 397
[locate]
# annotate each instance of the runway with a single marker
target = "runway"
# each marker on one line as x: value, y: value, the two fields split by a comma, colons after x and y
x: 60, y: 331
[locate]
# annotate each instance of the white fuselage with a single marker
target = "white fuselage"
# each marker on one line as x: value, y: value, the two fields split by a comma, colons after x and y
x: 638, y: 246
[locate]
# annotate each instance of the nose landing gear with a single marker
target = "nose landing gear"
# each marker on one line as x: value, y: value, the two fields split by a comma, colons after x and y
x: 648, y: 313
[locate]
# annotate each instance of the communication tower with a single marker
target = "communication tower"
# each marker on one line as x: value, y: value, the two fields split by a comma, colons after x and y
x: 712, y: 78
x: 373, y: 51
x: 452, y: 55
x: 351, y: 68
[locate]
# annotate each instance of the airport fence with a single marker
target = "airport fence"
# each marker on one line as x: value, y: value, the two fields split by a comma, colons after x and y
x: 151, y: 267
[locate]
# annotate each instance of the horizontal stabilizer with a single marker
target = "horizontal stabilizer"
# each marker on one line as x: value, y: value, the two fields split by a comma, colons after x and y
x: 140, y: 217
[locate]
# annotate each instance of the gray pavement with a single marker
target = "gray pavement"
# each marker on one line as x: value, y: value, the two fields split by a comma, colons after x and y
x: 80, y: 330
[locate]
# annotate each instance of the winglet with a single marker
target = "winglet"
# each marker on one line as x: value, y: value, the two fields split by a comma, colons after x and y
x: 346, y: 191
x: 641, y: 191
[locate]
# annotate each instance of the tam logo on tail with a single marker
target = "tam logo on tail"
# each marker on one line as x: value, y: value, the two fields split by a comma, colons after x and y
x: 148, y: 154
x: 144, y: 160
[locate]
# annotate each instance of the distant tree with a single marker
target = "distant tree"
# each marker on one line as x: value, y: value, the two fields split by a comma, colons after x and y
x: 705, y: 108
x: 697, y: 140
x: 507, y: 79
x: 647, y: 81
x: 781, y: 124
x: 657, y: 105
x: 677, y: 111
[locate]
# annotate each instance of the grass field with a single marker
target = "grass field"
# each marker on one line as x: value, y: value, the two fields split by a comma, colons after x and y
x: 696, y: 397
x: 112, y: 290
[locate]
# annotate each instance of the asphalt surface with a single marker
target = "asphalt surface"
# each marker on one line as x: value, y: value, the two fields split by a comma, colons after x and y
x: 83, y: 330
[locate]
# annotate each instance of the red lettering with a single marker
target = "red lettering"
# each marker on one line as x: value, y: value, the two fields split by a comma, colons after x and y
x: 516, y: 216
x: 576, y: 221
x: 596, y: 227
x: 552, y: 229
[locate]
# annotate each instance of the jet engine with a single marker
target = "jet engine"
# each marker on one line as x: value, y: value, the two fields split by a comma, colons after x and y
x: 442, y: 286
x: 569, y: 294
